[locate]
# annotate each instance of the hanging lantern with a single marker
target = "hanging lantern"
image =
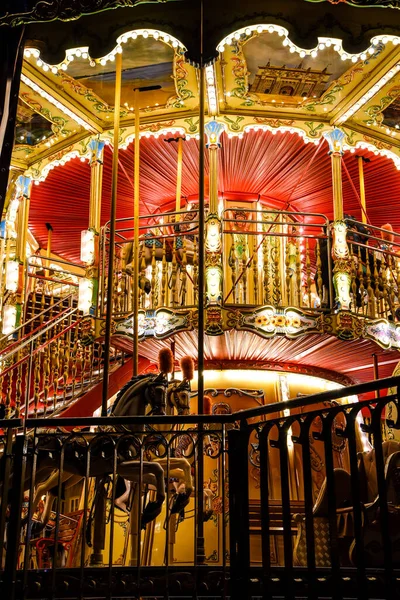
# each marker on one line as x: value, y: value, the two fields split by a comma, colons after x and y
x: 9, y: 318
x: 85, y: 295
x: 12, y: 273
x: 88, y: 246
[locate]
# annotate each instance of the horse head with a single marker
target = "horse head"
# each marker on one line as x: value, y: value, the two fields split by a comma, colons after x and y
x: 143, y: 390
x: 179, y: 391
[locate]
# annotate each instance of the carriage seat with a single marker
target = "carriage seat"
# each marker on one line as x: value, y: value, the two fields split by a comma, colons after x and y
x: 344, y: 512
x: 69, y: 532
x: 367, y: 471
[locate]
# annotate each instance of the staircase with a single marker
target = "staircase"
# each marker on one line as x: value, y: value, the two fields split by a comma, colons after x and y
x: 45, y: 365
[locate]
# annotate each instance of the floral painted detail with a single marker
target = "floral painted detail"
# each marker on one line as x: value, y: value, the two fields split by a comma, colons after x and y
x: 314, y: 130
x: 233, y: 124
x: 181, y: 81
x: 193, y: 126
x: 374, y: 111
x: 58, y: 123
x: 377, y: 143
x: 81, y: 90
x: 328, y: 98
x: 154, y: 127
x: 273, y: 122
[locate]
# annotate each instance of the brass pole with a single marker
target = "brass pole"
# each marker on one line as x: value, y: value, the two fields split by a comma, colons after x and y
x: 376, y: 372
x: 136, y: 237
x: 48, y: 250
x: 200, y: 549
x: 336, y: 160
x: 96, y: 181
x: 23, y: 223
x: 111, y: 255
x: 362, y: 189
x: 179, y: 179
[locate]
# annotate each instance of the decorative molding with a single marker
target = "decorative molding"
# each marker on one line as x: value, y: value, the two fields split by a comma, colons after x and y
x: 52, y: 10
x: 364, y: 3
x: 158, y: 324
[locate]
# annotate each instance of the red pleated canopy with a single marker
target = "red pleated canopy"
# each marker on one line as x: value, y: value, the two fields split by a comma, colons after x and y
x: 280, y: 169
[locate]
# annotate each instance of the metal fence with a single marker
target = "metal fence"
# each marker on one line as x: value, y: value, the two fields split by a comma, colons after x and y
x: 300, y: 499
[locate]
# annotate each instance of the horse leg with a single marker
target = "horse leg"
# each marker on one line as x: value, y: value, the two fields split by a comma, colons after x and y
x: 179, y: 467
x: 153, y: 473
x: 121, y: 501
x: 99, y: 524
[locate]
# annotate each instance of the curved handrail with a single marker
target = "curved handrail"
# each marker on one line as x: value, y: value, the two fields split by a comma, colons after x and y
x: 34, y: 318
x: 40, y: 331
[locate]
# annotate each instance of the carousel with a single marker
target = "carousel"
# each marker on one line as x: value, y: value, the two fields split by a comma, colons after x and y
x: 200, y: 303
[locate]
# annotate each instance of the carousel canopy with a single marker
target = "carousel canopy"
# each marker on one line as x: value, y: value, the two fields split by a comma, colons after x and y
x: 276, y: 87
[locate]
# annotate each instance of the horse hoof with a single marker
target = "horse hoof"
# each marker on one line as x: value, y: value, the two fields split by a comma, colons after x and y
x: 151, y: 512
x: 207, y: 515
x: 181, y: 500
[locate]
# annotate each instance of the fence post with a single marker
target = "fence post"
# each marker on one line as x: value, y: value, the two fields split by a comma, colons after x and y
x: 14, y: 525
x: 239, y: 533
x: 5, y: 473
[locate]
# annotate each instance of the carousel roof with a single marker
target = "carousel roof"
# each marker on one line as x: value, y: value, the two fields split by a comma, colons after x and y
x: 275, y: 88
x: 278, y: 169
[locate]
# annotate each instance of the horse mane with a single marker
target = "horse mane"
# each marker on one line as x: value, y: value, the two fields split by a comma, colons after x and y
x: 134, y: 381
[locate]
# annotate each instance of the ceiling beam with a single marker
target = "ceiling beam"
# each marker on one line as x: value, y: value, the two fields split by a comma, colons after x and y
x: 62, y: 98
x: 365, y: 85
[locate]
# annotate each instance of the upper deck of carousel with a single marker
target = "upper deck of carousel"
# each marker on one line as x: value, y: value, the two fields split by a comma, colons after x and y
x: 278, y: 114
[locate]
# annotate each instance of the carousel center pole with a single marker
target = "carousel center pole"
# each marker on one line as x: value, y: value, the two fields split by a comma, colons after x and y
x: 200, y: 549
x: 99, y: 529
x: 113, y: 213
x: 136, y: 237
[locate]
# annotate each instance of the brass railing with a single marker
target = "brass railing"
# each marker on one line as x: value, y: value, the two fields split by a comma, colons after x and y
x: 44, y: 363
x: 168, y: 263
x: 273, y: 258
x: 375, y: 270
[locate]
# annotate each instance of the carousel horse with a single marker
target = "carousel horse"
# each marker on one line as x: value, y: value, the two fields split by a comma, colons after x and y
x: 178, y: 396
x: 151, y: 245
x: 132, y: 400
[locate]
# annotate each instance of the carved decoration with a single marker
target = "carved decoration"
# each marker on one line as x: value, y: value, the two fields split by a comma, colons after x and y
x: 365, y: 3
x: 62, y: 10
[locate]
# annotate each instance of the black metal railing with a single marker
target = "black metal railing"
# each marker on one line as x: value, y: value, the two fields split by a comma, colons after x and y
x: 297, y: 504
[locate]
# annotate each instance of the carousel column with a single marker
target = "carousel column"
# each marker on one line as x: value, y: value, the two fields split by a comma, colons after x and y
x: 340, y: 250
x: 25, y: 185
x: 213, y: 245
x: 90, y: 238
x: 12, y: 234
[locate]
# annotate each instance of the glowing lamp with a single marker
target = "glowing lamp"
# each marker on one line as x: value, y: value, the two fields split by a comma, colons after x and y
x: 12, y: 271
x: 85, y: 294
x: 213, y: 241
x: 335, y: 139
x: 87, y: 246
x: 9, y: 318
x: 214, y: 130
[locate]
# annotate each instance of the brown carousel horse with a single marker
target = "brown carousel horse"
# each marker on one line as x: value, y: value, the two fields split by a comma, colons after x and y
x: 178, y: 399
x: 151, y: 245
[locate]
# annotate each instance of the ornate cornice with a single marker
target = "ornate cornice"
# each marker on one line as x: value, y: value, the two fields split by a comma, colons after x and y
x: 364, y: 3
x: 51, y: 10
